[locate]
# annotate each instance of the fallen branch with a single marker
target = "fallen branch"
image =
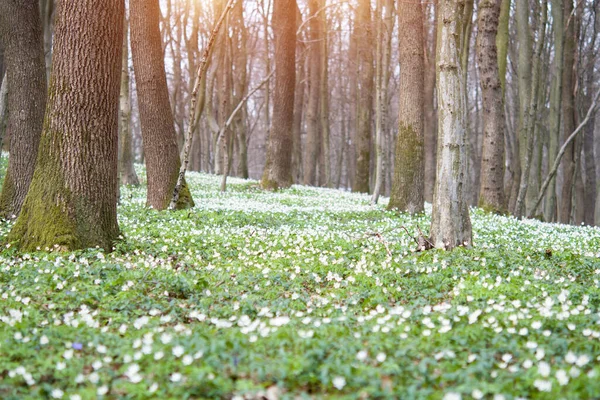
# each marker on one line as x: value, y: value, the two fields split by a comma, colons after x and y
x: 561, y: 153
x: 194, y: 98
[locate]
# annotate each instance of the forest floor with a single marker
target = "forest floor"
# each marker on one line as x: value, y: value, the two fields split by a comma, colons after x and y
x: 302, y: 293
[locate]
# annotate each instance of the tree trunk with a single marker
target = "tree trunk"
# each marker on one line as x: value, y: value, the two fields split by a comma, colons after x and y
x: 298, y: 114
x: 364, y: 100
x: 568, y: 113
x: 408, y: 185
x: 126, y: 170
x: 21, y: 32
x: 3, y: 107
x: 450, y: 221
x: 430, y: 120
x: 158, y: 130
x: 314, y: 90
x: 325, y: 153
x: 278, y: 171
x: 588, y: 147
x: 72, y: 201
x: 491, y: 195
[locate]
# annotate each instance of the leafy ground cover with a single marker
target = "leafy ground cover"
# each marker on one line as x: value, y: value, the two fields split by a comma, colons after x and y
x: 302, y: 293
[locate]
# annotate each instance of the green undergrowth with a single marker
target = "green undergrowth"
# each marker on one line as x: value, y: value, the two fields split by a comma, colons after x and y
x: 302, y: 293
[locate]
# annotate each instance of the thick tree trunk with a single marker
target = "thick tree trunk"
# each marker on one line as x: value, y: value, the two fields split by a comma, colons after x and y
x: 72, y: 201
x: 126, y: 171
x: 568, y: 114
x: 491, y: 195
x: 408, y: 184
x: 21, y: 32
x: 278, y: 170
x: 450, y: 222
x: 158, y: 130
x: 364, y: 99
x: 311, y: 154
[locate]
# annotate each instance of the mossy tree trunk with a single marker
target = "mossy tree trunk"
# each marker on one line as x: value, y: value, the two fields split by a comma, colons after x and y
x: 278, y: 170
x: 21, y: 33
x: 126, y: 171
x: 311, y: 155
x: 158, y: 130
x: 408, y: 184
x: 364, y: 99
x: 72, y: 200
x: 491, y: 195
x: 450, y: 222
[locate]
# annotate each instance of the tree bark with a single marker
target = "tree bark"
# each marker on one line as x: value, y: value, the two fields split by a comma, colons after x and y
x: 430, y: 120
x: 325, y: 153
x: 126, y: 171
x: 314, y: 90
x: 408, y: 184
x: 158, y: 130
x: 72, y: 201
x: 450, y: 222
x: 21, y: 32
x: 568, y: 113
x: 364, y: 100
x: 588, y: 147
x: 491, y: 195
x: 278, y: 170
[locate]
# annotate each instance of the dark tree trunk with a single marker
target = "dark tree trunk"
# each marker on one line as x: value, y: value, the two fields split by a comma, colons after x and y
x: 72, y: 201
x: 278, y: 170
x: 408, y: 185
x: 430, y: 120
x: 158, y: 130
x: 364, y: 100
x: 21, y: 31
x: 491, y: 194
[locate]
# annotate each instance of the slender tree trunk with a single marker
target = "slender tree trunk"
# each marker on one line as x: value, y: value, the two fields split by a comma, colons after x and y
x: 364, y: 100
x: 314, y: 90
x: 158, y: 130
x: 568, y: 113
x: 240, y: 58
x: 126, y: 170
x: 278, y: 171
x: 491, y: 195
x: 450, y: 222
x: 408, y: 184
x: 430, y: 120
x: 21, y: 32
x: 3, y: 107
x: 298, y: 114
x: 72, y: 201
x: 324, y: 105
x: 47, y: 14
x: 588, y: 147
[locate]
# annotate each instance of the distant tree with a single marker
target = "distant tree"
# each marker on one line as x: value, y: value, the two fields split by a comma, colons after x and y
x: 450, y: 221
x: 158, y: 129
x: 408, y: 183
x: 72, y: 201
x: 278, y: 169
x: 21, y: 33
x: 126, y: 170
x: 491, y: 195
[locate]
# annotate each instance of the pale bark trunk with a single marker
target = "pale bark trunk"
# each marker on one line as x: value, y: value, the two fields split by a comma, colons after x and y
x: 407, y: 192
x: 126, y: 170
x: 451, y: 224
x: 298, y: 114
x: 491, y: 195
x: 278, y: 171
x: 430, y: 119
x: 588, y: 147
x: 72, y: 201
x: 325, y: 173
x: 158, y: 129
x: 21, y: 32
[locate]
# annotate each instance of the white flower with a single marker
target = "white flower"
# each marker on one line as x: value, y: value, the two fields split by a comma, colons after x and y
x: 75, y: 397
x: 57, y: 393
x: 361, y: 355
x: 178, y: 351
x: 158, y: 355
x: 527, y: 364
x: 544, y: 369
x: 339, y: 382
x: 452, y: 396
x: 94, y: 377
x: 582, y: 360
x: 187, y: 359
x: 536, y: 324
x: 279, y: 321
x: 381, y: 357
x: 562, y: 377
x: 571, y: 358
x: 540, y: 353
x: 477, y: 394
x: 68, y: 354
x: 102, y: 390
x: 176, y: 377
x: 153, y: 388
x: 542, y: 385
x: 44, y: 340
